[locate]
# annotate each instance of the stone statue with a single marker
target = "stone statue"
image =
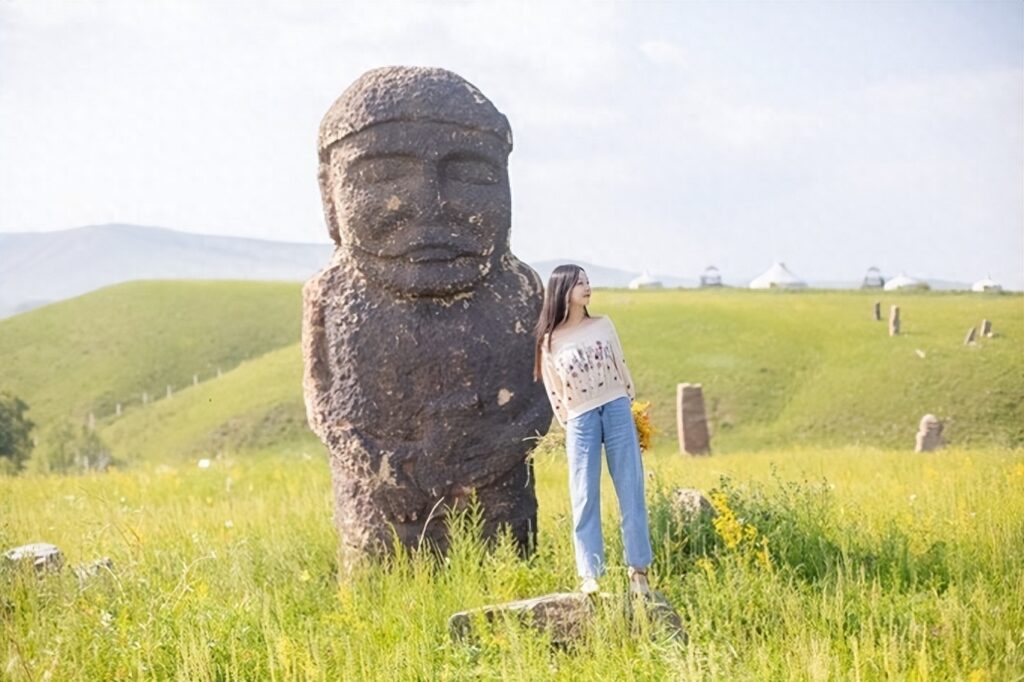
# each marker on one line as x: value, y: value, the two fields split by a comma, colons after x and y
x: 417, y: 338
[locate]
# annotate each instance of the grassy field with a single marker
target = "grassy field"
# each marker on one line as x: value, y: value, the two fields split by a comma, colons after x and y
x: 778, y: 369
x: 837, y: 553
x: 814, y: 367
x: 826, y: 564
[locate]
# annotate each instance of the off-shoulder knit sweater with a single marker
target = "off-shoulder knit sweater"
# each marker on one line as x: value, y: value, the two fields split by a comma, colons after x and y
x: 584, y: 368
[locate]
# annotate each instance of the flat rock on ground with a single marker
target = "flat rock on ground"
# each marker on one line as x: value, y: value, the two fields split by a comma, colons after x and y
x: 42, y: 555
x: 565, y: 614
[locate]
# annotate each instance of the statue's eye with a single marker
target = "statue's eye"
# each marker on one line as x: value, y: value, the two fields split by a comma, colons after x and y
x: 472, y: 171
x: 384, y: 168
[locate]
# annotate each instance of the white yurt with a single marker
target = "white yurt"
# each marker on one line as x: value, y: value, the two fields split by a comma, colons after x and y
x: 904, y: 282
x: 711, y: 277
x: 987, y: 284
x: 873, y: 279
x: 644, y: 281
x: 778, y: 276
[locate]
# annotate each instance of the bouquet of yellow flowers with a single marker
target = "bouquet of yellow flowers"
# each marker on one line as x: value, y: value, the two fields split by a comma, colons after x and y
x: 642, y: 419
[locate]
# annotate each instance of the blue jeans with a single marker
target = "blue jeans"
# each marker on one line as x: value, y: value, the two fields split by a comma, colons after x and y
x: 612, y: 424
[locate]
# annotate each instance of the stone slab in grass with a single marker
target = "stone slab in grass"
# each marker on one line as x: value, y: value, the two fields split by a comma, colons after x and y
x: 41, y: 555
x: 565, y: 615
x: 93, y: 569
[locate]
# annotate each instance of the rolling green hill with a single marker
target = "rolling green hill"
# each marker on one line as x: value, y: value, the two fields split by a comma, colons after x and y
x: 257, y: 405
x: 815, y: 368
x: 808, y: 368
x: 89, y: 353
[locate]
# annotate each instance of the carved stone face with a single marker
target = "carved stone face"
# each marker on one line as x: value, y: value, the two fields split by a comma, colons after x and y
x: 423, y: 208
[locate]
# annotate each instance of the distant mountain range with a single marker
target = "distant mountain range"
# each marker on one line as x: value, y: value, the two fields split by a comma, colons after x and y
x: 43, y: 267
x: 37, y: 268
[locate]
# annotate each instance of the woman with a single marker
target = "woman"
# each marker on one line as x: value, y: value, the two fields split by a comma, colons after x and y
x: 580, y: 360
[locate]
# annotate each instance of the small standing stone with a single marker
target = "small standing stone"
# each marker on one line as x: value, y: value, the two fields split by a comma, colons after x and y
x: 41, y: 555
x: 145, y: 398
x: 168, y: 390
x: 195, y: 379
x: 117, y: 409
x: 92, y: 422
x: 691, y: 420
x: 894, y: 320
x: 971, y: 336
x: 986, y: 328
x: 218, y: 372
x: 878, y: 311
x: 929, y: 434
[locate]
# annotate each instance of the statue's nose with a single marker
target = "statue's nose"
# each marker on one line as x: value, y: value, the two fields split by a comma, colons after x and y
x: 427, y: 193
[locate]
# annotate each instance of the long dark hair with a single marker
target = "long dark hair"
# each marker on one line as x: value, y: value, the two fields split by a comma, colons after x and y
x: 556, y: 307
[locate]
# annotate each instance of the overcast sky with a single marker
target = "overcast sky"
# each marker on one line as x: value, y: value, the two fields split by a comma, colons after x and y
x: 648, y: 136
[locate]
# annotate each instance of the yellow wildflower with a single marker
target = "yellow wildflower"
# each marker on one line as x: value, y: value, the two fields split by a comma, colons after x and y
x: 642, y: 419
x: 726, y: 524
x: 738, y: 535
x: 763, y: 556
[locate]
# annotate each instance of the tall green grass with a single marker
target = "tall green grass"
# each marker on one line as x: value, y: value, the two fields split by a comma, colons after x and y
x: 848, y: 564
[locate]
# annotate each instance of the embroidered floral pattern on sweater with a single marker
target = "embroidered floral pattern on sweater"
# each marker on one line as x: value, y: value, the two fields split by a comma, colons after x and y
x: 590, y: 367
x: 585, y: 369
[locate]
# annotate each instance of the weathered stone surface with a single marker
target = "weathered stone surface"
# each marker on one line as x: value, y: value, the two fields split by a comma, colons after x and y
x: 690, y: 503
x: 691, y: 420
x: 929, y: 434
x: 659, y: 611
x: 41, y: 555
x: 971, y: 336
x: 94, y: 568
x: 986, y: 328
x: 417, y: 336
x: 894, y: 320
x: 565, y: 615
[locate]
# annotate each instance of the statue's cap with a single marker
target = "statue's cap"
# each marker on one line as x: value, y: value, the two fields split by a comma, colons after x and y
x: 410, y: 93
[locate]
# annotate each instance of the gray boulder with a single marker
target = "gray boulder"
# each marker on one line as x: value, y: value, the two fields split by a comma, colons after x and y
x: 565, y: 615
x: 41, y: 555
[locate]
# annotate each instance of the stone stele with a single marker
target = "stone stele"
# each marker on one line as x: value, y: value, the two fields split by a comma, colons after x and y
x: 894, y: 321
x: 691, y: 420
x: 417, y: 337
x: 929, y: 434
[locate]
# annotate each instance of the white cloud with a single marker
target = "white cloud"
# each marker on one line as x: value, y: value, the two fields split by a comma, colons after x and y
x: 664, y: 53
x: 706, y: 132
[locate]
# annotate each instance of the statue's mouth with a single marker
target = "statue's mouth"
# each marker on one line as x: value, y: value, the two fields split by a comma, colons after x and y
x: 424, y: 254
x: 434, y: 254
x: 424, y: 269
